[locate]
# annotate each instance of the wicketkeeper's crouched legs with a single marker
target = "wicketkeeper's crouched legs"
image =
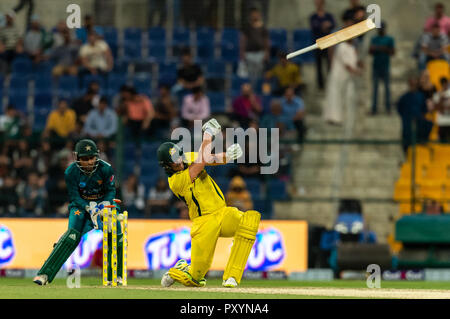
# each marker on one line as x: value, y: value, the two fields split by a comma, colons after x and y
x: 61, y: 251
x: 242, y: 245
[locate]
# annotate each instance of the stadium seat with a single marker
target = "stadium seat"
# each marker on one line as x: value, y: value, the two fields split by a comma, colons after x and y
x: 149, y: 149
x: 149, y: 178
x: 222, y: 182
x: 167, y: 73
x: 205, y: 52
x: 157, y: 35
x: 89, y: 78
x: 423, y: 154
x: 236, y: 83
x: 132, y: 35
x: 303, y: 38
x: 215, y: 75
x: 42, y: 69
x: 22, y: 65
x: 144, y: 67
x: 230, y: 52
x: 110, y: 35
x: 254, y: 187
x: 142, y: 84
x: 438, y: 69
x: 18, y: 84
x: 205, y: 35
x: 440, y: 153
x: 40, y: 118
x: 121, y: 66
x: 181, y: 36
x: 215, y: 83
x: 42, y: 101
x: 43, y: 83
x: 278, y: 37
x: 114, y: 82
x: 216, y: 68
x: 229, y: 36
x: 68, y: 86
x: 277, y: 190
x: 129, y: 151
x: 217, y: 102
x: 19, y: 100
x: 132, y: 51
x: 157, y: 52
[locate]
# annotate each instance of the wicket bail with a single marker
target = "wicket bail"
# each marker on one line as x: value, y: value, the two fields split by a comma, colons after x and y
x: 114, y: 246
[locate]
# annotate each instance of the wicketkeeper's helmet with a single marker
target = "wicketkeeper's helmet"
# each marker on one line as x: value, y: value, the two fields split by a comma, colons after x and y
x: 83, y: 148
x: 169, y: 153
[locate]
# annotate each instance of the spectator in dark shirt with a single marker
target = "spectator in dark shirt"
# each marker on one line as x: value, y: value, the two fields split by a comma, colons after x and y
x: 189, y: 75
x: 65, y: 56
x: 322, y: 23
x: 83, y: 105
x: 9, y: 199
x: 356, y: 12
x: 382, y: 48
x: 165, y: 112
x: 412, y: 109
x: 247, y: 106
x: 33, y: 196
x: 255, y: 45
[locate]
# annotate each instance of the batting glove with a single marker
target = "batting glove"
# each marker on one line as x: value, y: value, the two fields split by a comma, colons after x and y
x: 233, y: 152
x: 212, y: 127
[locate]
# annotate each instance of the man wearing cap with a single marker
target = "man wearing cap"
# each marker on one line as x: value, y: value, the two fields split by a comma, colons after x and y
x: 91, y: 186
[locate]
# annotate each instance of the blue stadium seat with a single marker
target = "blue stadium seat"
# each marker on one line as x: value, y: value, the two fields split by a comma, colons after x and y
x: 143, y: 66
x: 42, y: 69
x: 149, y: 178
x: 43, y: 83
x: 18, y: 84
x: 278, y: 38
x: 129, y: 151
x: 215, y: 83
x: 22, y: 65
x: 222, y: 182
x: 157, y: 52
x: 157, y: 35
x: 110, y: 35
x: 87, y: 79
x: 132, y: 51
x: 114, y: 47
x: 216, y: 68
x: 277, y: 190
x: 149, y: 150
x: 229, y: 35
x: 40, y: 118
x: 132, y: 35
x: 230, y: 52
x: 205, y: 35
x: 42, y: 100
x: 254, y: 187
x: 236, y: 83
x: 128, y: 166
x: 264, y: 207
x: 266, y: 100
x: 121, y: 66
x: 217, y: 102
x: 142, y: 84
x: 181, y: 36
x: 114, y: 82
x: 68, y: 86
x: 205, y: 52
x: 303, y: 38
x: 19, y: 100
x: 167, y: 73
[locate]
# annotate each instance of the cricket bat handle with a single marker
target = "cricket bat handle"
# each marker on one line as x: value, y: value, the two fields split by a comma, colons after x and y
x: 301, y: 51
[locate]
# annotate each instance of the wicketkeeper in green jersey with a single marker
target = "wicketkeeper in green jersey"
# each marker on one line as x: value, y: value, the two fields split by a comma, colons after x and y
x: 91, y: 186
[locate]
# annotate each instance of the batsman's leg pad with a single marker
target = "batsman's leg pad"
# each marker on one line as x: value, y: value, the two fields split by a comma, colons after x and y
x: 62, y: 250
x: 242, y: 245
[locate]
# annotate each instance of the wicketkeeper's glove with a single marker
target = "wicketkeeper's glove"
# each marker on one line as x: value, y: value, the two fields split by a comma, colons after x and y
x: 212, y: 127
x: 233, y: 152
x: 95, y: 210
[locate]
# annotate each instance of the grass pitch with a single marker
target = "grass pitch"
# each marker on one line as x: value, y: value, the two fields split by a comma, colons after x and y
x: 91, y: 288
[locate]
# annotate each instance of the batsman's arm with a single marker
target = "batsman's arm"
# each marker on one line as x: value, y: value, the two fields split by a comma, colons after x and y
x: 74, y: 196
x: 218, y: 159
x: 204, y: 157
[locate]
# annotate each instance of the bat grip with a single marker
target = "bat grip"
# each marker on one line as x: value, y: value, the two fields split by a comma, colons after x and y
x: 301, y: 51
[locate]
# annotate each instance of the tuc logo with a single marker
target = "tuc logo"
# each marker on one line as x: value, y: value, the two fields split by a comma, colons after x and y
x: 268, y: 252
x: 7, y: 249
x: 164, y: 249
x: 83, y: 254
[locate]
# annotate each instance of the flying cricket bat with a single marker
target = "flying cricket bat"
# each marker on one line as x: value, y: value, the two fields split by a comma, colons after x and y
x: 348, y: 33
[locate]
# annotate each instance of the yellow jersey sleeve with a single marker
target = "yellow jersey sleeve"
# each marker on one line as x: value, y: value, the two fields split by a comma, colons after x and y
x: 180, y: 181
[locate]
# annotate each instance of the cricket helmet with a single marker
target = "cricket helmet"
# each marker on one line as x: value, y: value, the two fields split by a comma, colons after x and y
x: 84, y: 148
x: 169, y: 153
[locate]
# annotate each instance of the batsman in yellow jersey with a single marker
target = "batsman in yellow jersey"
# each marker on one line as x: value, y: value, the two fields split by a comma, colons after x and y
x: 208, y: 211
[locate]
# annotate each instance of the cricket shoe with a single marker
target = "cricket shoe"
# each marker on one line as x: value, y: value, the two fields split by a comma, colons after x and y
x: 41, y: 280
x: 230, y: 283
